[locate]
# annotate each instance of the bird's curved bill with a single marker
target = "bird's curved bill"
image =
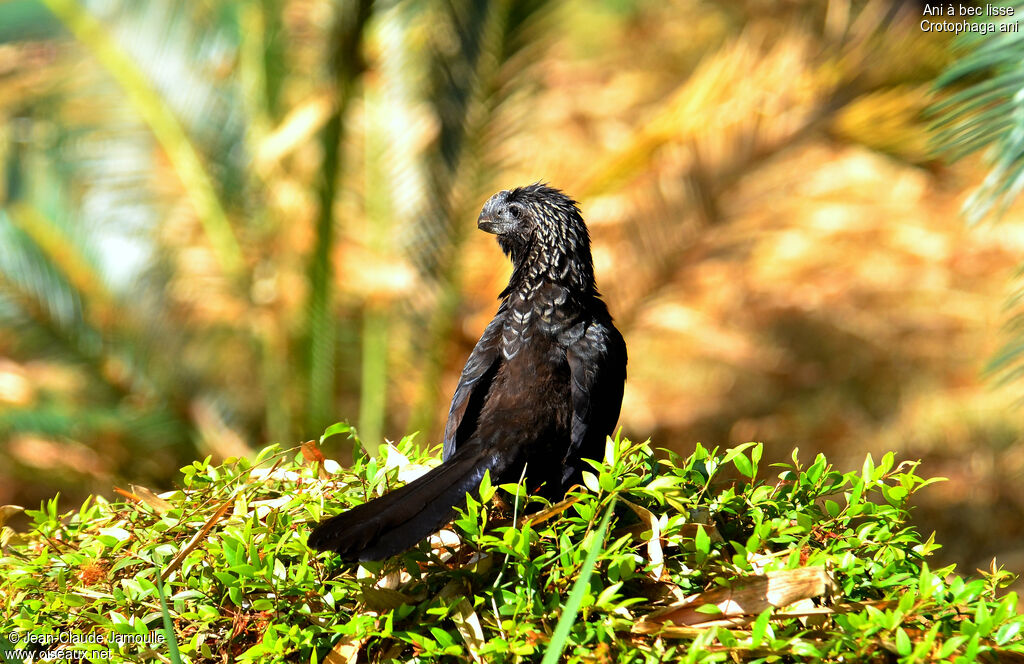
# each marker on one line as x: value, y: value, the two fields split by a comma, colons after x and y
x: 491, y: 225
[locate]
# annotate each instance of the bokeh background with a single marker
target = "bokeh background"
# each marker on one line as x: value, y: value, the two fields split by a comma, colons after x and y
x: 226, y: 223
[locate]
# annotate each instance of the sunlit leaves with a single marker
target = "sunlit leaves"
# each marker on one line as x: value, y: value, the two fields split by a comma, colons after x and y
x: 745, y: 563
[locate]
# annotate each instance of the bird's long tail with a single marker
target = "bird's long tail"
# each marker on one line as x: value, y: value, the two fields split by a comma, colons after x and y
x: 401, y: 518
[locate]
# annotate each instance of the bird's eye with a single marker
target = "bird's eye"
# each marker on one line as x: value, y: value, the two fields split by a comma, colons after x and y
x: 516, y: 211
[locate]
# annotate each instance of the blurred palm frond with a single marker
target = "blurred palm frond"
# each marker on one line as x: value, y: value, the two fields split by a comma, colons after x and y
x: 1007, y: 365
x: 153, y: 106
x: 85, y: 279
x: 983, y: 109
x: 60, y: 321
x: 832, y: 77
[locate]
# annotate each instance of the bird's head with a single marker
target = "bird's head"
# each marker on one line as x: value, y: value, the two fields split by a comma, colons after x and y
x: 541, y: 229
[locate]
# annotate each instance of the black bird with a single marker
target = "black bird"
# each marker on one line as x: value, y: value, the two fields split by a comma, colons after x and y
x: 541, y: 390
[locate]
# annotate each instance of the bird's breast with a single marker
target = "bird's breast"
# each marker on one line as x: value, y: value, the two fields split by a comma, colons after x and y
x: 540, y: 312
x: 531, y: 388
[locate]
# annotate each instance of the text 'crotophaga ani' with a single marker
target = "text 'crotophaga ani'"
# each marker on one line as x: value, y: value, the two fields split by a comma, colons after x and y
x: 541, y: 389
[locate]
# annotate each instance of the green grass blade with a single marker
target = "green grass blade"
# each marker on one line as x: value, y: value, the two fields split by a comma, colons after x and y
x: 172, y: 640
x: 572, y: 607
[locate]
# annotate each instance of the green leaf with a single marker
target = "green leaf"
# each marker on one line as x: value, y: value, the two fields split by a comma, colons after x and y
x: 903, y: 645
x: 255, y: 563
x: 760, y: 628
x: 701, y: 541
x: 1008, y: 632
x: 950, y: 646
x: 604, y: 600
x: 336, y: 429
x: 743, y: 465
x: 732, y: 452
x: 486, y: 490
x: 709, y: 610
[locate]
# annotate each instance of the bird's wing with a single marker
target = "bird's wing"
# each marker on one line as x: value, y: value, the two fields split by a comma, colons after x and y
x: 597, y: 365
x: 473, y: 385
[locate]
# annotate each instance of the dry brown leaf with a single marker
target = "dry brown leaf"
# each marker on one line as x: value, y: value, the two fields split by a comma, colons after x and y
x: 379, y: 599
x: 799, y: 610
x: 1002, y: 656
x: 745, y: 600
x: 194, y: 542
x: 392, y: 580
x: 159, y: 505
x: 549, y: 512
x: 468, y: 623
x: 445, y: 543
x: 655, y: 553
x: 7, y: 511
x: 311, y: 454
x: 10, y: 537
x: 127, y: 495
x: 465, y: 618
x: 345, y: 651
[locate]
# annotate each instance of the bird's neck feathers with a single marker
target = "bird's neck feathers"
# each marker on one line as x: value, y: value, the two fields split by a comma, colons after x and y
x: 558, y: 258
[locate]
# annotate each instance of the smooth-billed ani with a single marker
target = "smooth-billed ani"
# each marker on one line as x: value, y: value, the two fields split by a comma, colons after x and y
x: 541, y: 389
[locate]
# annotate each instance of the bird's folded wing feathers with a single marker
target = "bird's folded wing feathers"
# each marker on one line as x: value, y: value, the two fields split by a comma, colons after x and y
x: 597, y: 365
x: 473, y: 384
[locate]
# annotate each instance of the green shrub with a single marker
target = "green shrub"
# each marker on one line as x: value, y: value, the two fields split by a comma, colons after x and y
x: 792, y: 563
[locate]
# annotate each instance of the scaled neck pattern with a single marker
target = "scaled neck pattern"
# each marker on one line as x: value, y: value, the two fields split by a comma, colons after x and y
x: 551, y: 282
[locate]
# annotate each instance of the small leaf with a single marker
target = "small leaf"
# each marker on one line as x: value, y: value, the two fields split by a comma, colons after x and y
x: 708, y: 610
x: 743, y: 465
x: 1008, y: 632
x: 950, y: 646
x: 486, y: 490
x: 903, y: 645
x: 336, y: 429
x: 606, y: 596
x: 760, y: 628
x: 701, y: 541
